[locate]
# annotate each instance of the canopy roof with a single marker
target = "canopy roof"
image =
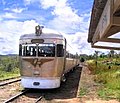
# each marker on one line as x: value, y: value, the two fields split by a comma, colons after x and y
x: 105, y: 21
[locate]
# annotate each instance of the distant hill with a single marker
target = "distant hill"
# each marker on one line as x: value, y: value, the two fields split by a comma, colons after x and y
x: 9, y: 55
x: 12, y: 54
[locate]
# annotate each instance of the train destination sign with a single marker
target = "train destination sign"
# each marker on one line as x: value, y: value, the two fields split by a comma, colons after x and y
x: 37, y: 40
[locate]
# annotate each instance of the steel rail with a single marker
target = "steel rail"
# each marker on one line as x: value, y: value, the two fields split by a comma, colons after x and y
x: 9, y: 82
x: 16, y: 96
x: 10, y: 78
x: 39, y: 99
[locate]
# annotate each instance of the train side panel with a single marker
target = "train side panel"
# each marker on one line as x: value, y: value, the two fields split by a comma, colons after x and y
x: 70, y: 64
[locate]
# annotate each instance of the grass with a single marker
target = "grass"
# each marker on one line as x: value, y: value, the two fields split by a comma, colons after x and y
x: 108, y: 93
x: 83, y: 91
x: 108, y: 75
x: 6, y: 75
x: 9, y: 67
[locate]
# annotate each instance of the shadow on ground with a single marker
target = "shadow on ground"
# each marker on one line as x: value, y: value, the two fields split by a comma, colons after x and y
x: 67, y: 90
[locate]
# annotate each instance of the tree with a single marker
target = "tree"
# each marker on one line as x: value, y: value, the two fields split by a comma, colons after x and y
x: 102, y: 55
x: 112, y: 52
x: 96, y: 54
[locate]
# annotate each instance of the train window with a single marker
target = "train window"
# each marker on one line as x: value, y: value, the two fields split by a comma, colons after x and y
x: 46, y: 50
x: 20, y: 50
x: 32, y: 50
x: 28, y: 50
x: 67, y: 54
x: 60, y: 50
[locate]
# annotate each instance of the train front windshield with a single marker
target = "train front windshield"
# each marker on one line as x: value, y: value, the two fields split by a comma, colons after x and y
x: 44, y: 50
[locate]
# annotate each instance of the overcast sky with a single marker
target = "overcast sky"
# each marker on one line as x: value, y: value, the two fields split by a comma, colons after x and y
x: 18, y: 17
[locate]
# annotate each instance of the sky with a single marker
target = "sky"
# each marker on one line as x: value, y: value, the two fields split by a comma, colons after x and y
x: 18, y: 17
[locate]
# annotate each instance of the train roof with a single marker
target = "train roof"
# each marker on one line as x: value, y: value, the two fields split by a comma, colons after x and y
x: 46, y: 33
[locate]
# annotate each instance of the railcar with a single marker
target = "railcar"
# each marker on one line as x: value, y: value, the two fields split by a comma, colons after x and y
x: 44, y: 59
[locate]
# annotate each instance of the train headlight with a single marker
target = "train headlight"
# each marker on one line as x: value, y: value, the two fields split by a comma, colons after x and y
x: 36, y: 73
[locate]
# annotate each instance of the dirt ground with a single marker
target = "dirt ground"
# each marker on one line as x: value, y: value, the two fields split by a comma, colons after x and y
x: 67, y: 93
x: 86, y: 80
x: 9, y: 91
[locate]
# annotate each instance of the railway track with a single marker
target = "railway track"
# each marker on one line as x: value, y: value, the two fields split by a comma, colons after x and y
x: 10, y: 78
x: 9, y: 81
x: 14, y: 98
x: 66, y: 91
x: 40, y: 97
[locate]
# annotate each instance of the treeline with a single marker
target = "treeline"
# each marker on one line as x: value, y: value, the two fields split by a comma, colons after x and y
x: 9, y: 63
x: 100, y: 55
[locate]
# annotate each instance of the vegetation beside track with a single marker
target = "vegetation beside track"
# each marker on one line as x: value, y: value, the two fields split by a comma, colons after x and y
x: 107, y: 74
x: 9, y: 67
